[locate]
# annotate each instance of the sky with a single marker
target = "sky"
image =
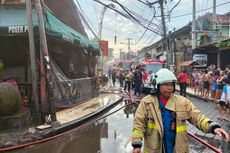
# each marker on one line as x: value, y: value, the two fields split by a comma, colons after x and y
x: 116, y: 25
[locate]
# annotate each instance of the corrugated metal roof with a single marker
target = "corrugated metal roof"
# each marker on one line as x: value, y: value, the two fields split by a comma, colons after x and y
x: 67, y: 12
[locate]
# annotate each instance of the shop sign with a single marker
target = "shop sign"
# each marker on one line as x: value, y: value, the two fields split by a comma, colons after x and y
x: 104, y: 47
x: 17, y: 29
x: 201, y: 59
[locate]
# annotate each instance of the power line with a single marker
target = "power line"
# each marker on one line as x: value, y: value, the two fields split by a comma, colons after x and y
x: 132, y: 18
x: 138, y: 21
x: 138, y: 6
x: 144, y: 31
x: 174, y: 7
x: 148, y: 23
x: 84, y: 19
x: 199, y: 10
x: 152, y: 37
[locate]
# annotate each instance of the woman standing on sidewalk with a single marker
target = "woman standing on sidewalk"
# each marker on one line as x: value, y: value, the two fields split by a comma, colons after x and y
x: 215, y: 76
x: 201, y: 83
x: 196, y: 77
x: 182, y: 77
x: 220, y: 85
x: 206, y: 78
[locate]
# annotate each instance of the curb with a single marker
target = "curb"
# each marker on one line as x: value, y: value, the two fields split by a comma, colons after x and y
x: 195, y: 96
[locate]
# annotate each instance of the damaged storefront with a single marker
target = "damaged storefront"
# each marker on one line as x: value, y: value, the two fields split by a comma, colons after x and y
x: 72, y: 55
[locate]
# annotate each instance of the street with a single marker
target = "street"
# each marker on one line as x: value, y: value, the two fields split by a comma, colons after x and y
x: 112, y: 134
x: 56, y: 58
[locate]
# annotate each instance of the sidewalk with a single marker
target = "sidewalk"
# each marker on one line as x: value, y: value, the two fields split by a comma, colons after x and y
x: 190, y: 92
x: 208, y: 108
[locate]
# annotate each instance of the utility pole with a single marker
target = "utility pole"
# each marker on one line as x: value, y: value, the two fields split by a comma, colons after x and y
x: 129, y: 44
x: 214, y: 15
x: 129, y: 49
x: 128, y: 54
x: 165, y: 41
x: 46, y: 74
x: 215, y: 30
x: 194, y: 24
x: 32, y: 58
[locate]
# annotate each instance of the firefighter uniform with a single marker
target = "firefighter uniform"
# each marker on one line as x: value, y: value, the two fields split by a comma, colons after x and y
x: 163, y: 128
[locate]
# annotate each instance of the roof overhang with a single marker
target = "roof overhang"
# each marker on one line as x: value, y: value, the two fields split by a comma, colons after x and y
x: 13, y: 22
x: 125, y: 61
x: 188, y: 63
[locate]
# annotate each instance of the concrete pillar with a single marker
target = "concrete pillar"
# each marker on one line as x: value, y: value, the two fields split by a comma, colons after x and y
x: 218, y: 59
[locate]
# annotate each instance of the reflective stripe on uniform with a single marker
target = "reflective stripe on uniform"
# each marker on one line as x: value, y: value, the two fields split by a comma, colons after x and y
x: 152, y: 125
x: 145, y: 150
x: 181, y: 128
x: 204, y: 124
x: 138, y: 133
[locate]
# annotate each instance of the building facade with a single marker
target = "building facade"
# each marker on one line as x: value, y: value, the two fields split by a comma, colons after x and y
x: 212, y: 41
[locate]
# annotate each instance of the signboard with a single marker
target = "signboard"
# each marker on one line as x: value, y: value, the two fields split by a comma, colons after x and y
x: 202, y: 59
x: 104, y: 47
x: 17, y: 29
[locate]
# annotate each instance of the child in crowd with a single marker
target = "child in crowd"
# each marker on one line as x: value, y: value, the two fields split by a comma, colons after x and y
x: 220, y: 85
x: 224, y: 100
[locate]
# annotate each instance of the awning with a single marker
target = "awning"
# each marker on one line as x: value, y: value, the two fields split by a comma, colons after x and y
x: 59, y: 29
x: 188, y: 63
x: 125, y: 61
x: 13, y: 22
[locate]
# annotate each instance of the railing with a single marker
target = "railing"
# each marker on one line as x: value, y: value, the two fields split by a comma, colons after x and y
x: 72, y: 91
x: 66, y: 92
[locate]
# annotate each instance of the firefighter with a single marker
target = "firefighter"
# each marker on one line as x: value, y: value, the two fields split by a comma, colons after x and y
x: 161, y: 118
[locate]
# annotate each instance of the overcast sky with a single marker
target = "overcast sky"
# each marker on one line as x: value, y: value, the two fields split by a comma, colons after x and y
x: 115, y: 24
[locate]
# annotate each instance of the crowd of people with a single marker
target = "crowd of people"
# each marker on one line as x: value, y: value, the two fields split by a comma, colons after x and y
x: 160, y: 119
x: 210, y: 83
x: 214, y: 84
x: 128, y: 78
x: 134, y: 78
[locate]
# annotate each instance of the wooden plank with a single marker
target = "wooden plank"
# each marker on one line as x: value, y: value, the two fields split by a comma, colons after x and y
x: 86, y: 108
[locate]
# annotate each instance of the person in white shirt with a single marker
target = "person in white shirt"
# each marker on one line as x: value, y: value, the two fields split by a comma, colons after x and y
x: 224, y: 100
x: 150, y: 77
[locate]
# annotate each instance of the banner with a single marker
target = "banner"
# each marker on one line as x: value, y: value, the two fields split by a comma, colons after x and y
x: 201, y: 59
x: 104, y: 47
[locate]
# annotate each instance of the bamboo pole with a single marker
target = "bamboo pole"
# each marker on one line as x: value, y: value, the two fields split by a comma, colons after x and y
x: 33, y: 59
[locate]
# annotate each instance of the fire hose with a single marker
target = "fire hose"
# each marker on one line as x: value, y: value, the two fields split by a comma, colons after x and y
x: 132, y: 101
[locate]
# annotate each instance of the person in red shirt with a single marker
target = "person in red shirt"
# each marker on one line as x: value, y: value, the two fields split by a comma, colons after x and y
x: 145, y: 76
x: 182, y: 77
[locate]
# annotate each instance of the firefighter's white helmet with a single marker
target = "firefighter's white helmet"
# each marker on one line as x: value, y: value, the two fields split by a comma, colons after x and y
x: 165, y: 76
